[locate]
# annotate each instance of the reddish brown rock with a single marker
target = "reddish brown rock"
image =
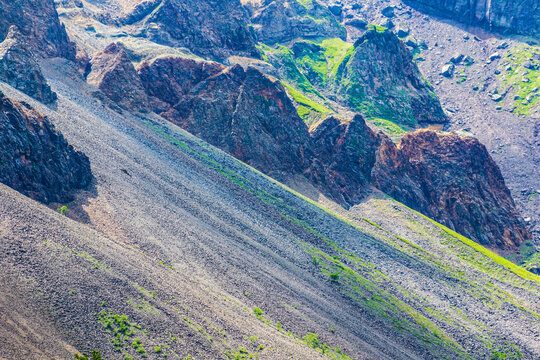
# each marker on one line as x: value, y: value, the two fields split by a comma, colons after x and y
x: 454, y: 181
x: 243, y: 112
x: 344, y: 156
x: 113, y: 73
x: 168, y: 80
x: 36, y: 159
x: 37, y: 20
x: 19, y: 68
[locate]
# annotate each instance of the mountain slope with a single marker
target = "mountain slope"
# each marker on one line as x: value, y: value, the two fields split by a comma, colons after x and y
x: 236, y: 241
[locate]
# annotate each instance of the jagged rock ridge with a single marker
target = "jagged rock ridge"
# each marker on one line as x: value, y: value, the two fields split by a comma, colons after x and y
x: 114, y: 74
x: 250, y: 116
x: 344, y: 157
x: 453, y: 180
x: 380, y: 79
x: 38, y: 20
x: 36, y: 159
x: 19, y: 68
x: 240, y: 111
x: 210, y: 28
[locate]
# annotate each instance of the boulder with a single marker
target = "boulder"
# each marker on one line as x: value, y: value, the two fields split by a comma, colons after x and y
x: 388, y: 11
x: 336, y: 9
x: 357, y: 23
x: 447, y: 70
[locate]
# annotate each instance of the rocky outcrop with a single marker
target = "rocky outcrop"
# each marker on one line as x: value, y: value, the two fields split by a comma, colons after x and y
x: 19, y: 68
x: 344, y: 156
x: 37, y: 20
x: 519, y: 17
x: 167, y: 80
x: 210, y: 28
x: 380, y: 79
x: 454, y: 181
x: 113, y: 73
x: 243, y: 112
x: 36, y: 159
x: 284, y: 20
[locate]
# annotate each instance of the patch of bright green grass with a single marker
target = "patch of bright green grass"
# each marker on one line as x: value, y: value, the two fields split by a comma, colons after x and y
x: 306, y: 103
x: 513, y: 73
x: 393, y: 130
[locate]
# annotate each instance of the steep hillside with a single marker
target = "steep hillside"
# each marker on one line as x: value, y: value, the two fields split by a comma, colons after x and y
x: 234, y: 206
x: 205, y: 256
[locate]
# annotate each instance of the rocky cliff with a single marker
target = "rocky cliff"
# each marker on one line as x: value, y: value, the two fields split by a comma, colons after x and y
x: 243, y: 112
x: 36, y: 159
x: 454, y: 181
x: 380, y: 79
x: 250, y: 116
x: 520, y: 17
x: 19, y: 68
x: 210, y: 28
x: 113, y: 73
x: 38, y: 20
x: 284, y: 20
x: 344, y: 156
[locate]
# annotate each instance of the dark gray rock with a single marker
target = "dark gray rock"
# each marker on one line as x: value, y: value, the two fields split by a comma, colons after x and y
x: 19, y: 68
x: 36, y: 159
x: 388, y: 11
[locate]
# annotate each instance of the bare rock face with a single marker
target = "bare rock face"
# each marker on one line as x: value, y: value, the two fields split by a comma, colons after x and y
x: 380, y: 79
x: 243, y: 112
x: 167, y: 80
x: 519, y: 17
x: 36, y: 159
x: 210, y: 28
x: 37, y: 20
x: 113, y: 73
x: 284, y: 20
x: 344, y: 156
x: 19, y: 68
x: 454, y: 181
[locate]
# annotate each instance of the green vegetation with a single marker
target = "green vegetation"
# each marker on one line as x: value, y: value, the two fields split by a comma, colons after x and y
x: 308, y: 4
x: 122, y: 330
x: 391, y: 129
x: 519, y: 80
x: 507, y: 352
x: 63, y: 210
x: 374, y: 291
x: 377, y: 28
x: 306, y: 104
x: 96, y: 355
